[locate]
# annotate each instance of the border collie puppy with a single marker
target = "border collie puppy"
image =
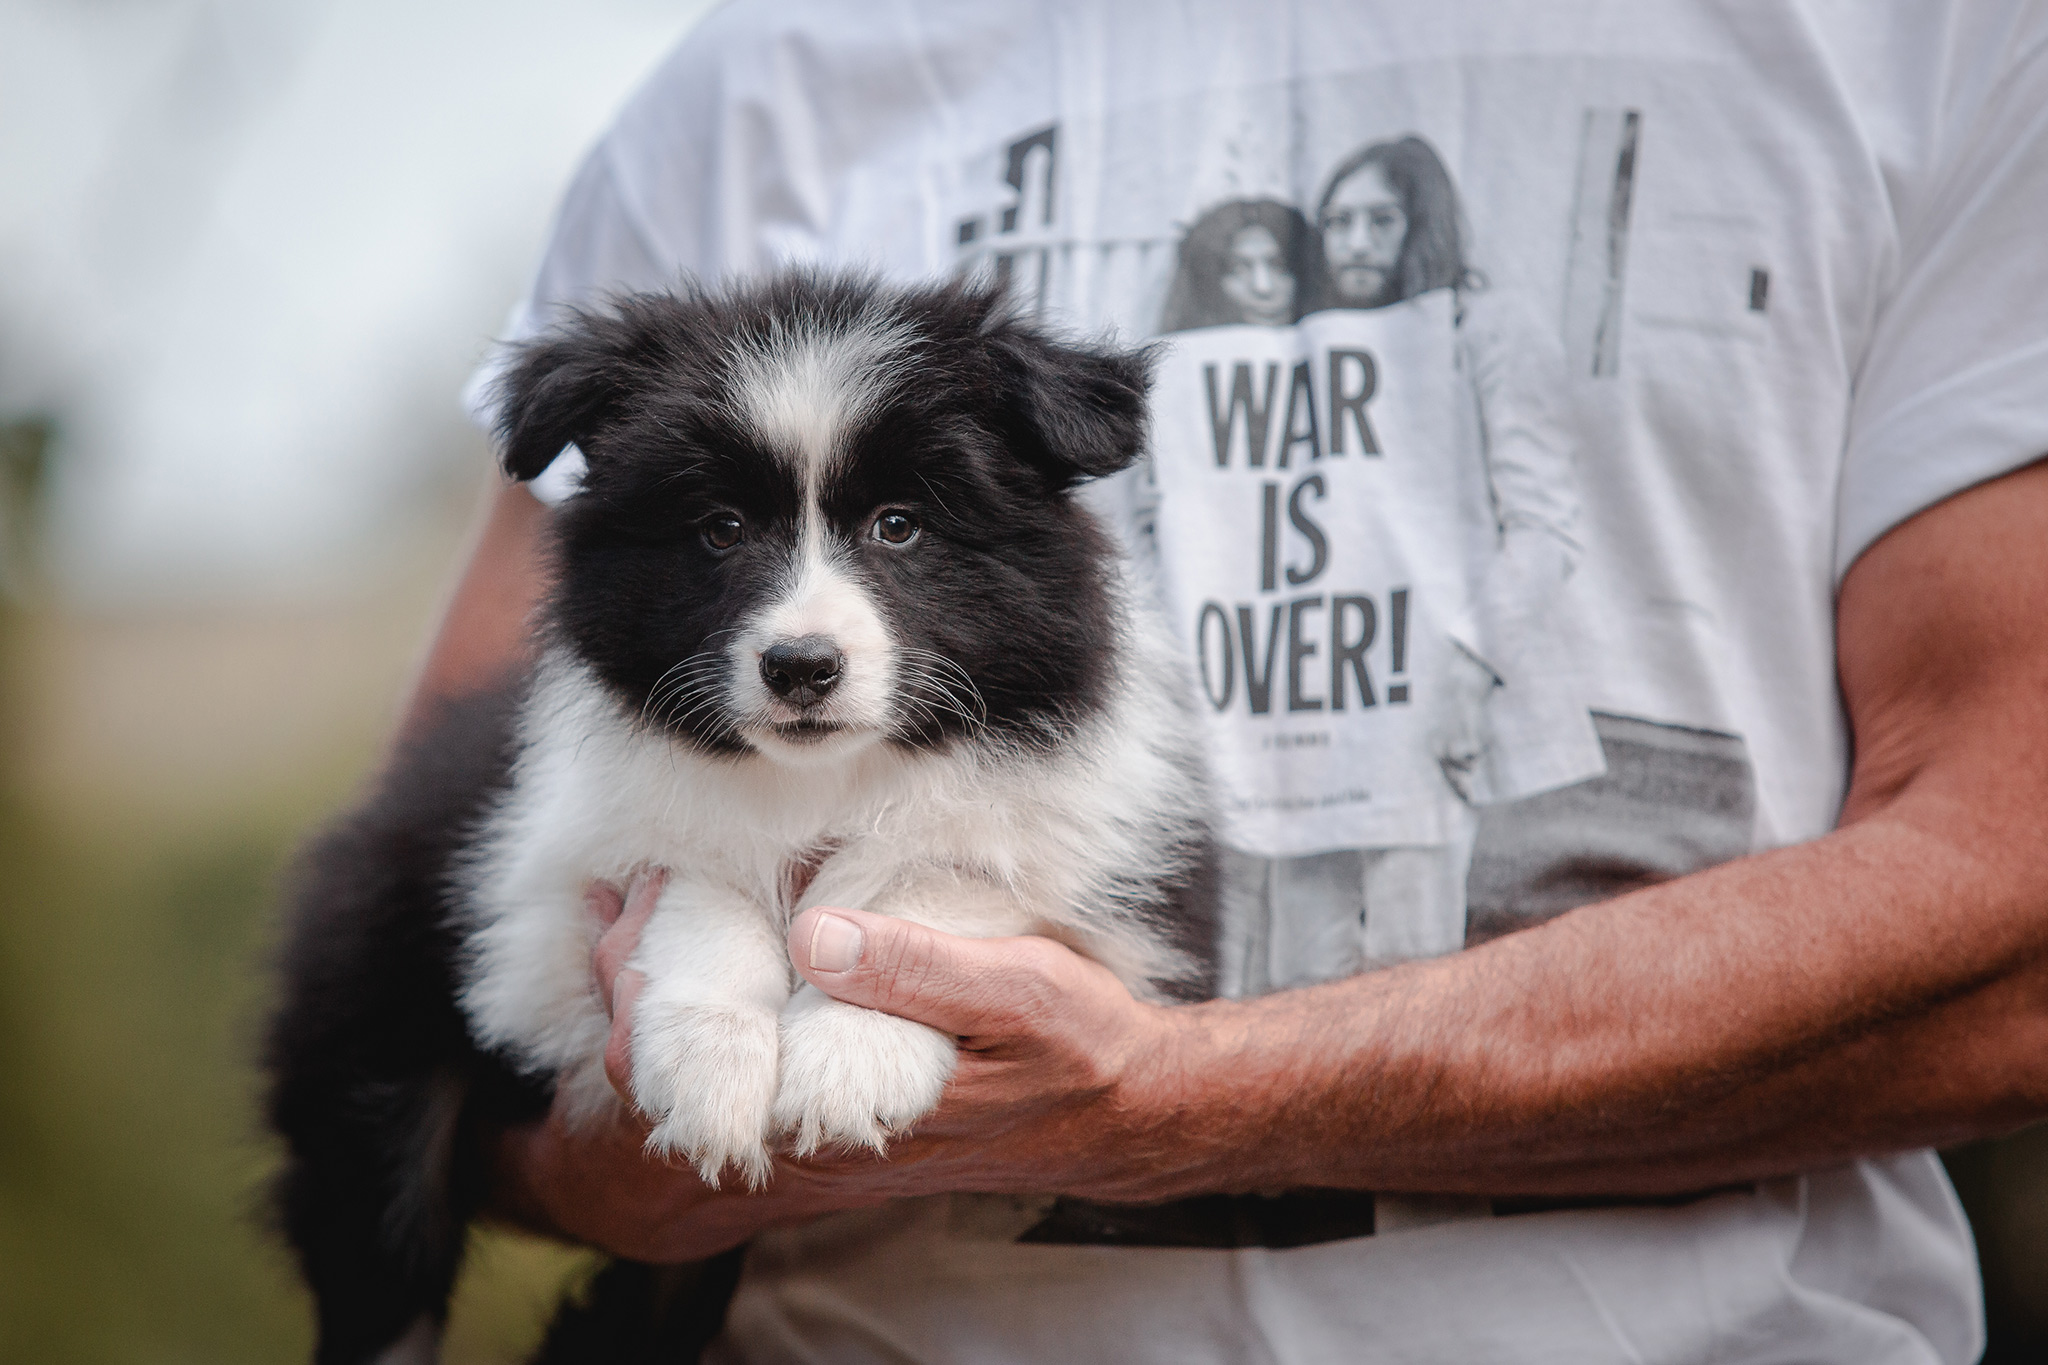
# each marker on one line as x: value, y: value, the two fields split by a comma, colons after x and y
x: 828, y: 626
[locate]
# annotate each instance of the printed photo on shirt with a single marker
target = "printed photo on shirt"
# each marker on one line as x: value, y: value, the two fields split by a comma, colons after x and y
x: 1361, y: 510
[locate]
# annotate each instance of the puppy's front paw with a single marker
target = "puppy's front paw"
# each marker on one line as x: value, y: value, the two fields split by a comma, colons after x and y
x: 853, y: 1075
x: 705, y: 1075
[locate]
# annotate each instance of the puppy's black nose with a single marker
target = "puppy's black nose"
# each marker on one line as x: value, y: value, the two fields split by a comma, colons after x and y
x: 802, y: 671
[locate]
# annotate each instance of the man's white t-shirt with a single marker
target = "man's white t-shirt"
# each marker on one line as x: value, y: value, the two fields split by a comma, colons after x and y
x: 1678, y: 307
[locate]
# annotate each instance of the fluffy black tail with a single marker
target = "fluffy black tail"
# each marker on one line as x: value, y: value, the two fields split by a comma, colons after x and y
x: 380, y: 1096
x: 633, y: 1314
x: 384, y: 1102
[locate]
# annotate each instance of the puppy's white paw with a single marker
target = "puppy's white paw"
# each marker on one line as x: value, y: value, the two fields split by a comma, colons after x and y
x: 853, y: 1075
x: 705, y: 1075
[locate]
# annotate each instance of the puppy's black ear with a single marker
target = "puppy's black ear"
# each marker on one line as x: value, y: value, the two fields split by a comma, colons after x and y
x: 1081, y: 411
x: 563, y: 387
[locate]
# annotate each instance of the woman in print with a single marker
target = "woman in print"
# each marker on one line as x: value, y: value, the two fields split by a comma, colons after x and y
x: 1247, y: 261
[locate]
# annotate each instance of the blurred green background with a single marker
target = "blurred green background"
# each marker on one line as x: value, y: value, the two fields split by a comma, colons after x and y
x: 155, y: 775
x: 249, y: 249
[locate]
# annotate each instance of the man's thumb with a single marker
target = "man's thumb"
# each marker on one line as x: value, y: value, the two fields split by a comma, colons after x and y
x: 958, y: 985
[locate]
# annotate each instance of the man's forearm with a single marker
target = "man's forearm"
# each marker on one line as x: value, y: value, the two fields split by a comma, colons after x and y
x: 1876, y: 990
x: 1882, y: 988
x: 484, y: 632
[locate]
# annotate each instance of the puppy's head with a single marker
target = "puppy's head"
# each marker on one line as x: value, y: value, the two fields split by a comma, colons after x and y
x: 821, y: 513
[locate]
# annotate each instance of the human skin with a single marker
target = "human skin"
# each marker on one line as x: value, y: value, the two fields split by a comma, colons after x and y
x: 1879, y: 989
x: 1363, y: 227
x: 1256, y: 278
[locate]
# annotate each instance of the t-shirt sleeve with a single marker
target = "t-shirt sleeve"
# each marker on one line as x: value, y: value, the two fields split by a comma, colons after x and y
x: 640, y: 212
x: 600, y: 245
x: 597, y: 248
x: 1952, y: 389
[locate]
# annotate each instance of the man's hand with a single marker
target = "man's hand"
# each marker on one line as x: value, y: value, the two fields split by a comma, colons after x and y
x: 599, y: 1185
x: 1065, y: 1084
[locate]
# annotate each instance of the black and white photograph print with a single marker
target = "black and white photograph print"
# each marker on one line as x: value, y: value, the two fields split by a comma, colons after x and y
x: 1361, y: 448
x: 1387, y: 227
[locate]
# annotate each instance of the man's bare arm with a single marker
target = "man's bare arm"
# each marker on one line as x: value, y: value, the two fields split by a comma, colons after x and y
x: 483, y: 633
x: 1882, y: 988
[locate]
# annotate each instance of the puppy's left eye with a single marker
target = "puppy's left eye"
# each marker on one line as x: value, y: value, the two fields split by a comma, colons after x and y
x: 896, y: 527
x: 722, y: 530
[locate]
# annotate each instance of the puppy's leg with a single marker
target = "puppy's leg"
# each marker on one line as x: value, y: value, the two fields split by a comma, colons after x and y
x: 855, y: 1076
x: 704, y: 1027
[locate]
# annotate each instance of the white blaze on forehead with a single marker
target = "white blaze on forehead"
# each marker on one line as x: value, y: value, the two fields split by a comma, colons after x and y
x: 803, y: 385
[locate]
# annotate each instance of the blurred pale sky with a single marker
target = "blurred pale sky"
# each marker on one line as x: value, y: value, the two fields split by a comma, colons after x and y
x: 250, y: 249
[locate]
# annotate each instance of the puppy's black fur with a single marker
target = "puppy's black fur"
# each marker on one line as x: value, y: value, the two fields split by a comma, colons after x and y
x: 378, y: 1088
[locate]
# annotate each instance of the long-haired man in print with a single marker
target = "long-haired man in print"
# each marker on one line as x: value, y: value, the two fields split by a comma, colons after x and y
x: 1391, y: 227
x: 1507, y: 717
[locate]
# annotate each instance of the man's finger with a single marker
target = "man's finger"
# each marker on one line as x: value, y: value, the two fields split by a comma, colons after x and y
x: 618, y: 1047
x: 621, y: 936
x: 965, y: 986
x: 604, y: 902
x: 623, y: 916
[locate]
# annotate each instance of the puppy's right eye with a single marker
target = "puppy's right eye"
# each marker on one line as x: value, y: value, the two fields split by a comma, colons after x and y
x: 722, y: 532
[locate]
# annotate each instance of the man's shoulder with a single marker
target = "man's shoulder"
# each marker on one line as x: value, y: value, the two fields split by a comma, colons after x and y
x: 804, y: 40
x: 847, y: 71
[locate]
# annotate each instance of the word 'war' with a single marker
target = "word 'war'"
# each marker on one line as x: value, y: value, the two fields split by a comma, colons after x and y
x: 1332, y: 422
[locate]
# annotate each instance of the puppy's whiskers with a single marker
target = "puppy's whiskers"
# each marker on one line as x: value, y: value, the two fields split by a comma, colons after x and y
x: 696, y: 682
x: 935, y: 686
